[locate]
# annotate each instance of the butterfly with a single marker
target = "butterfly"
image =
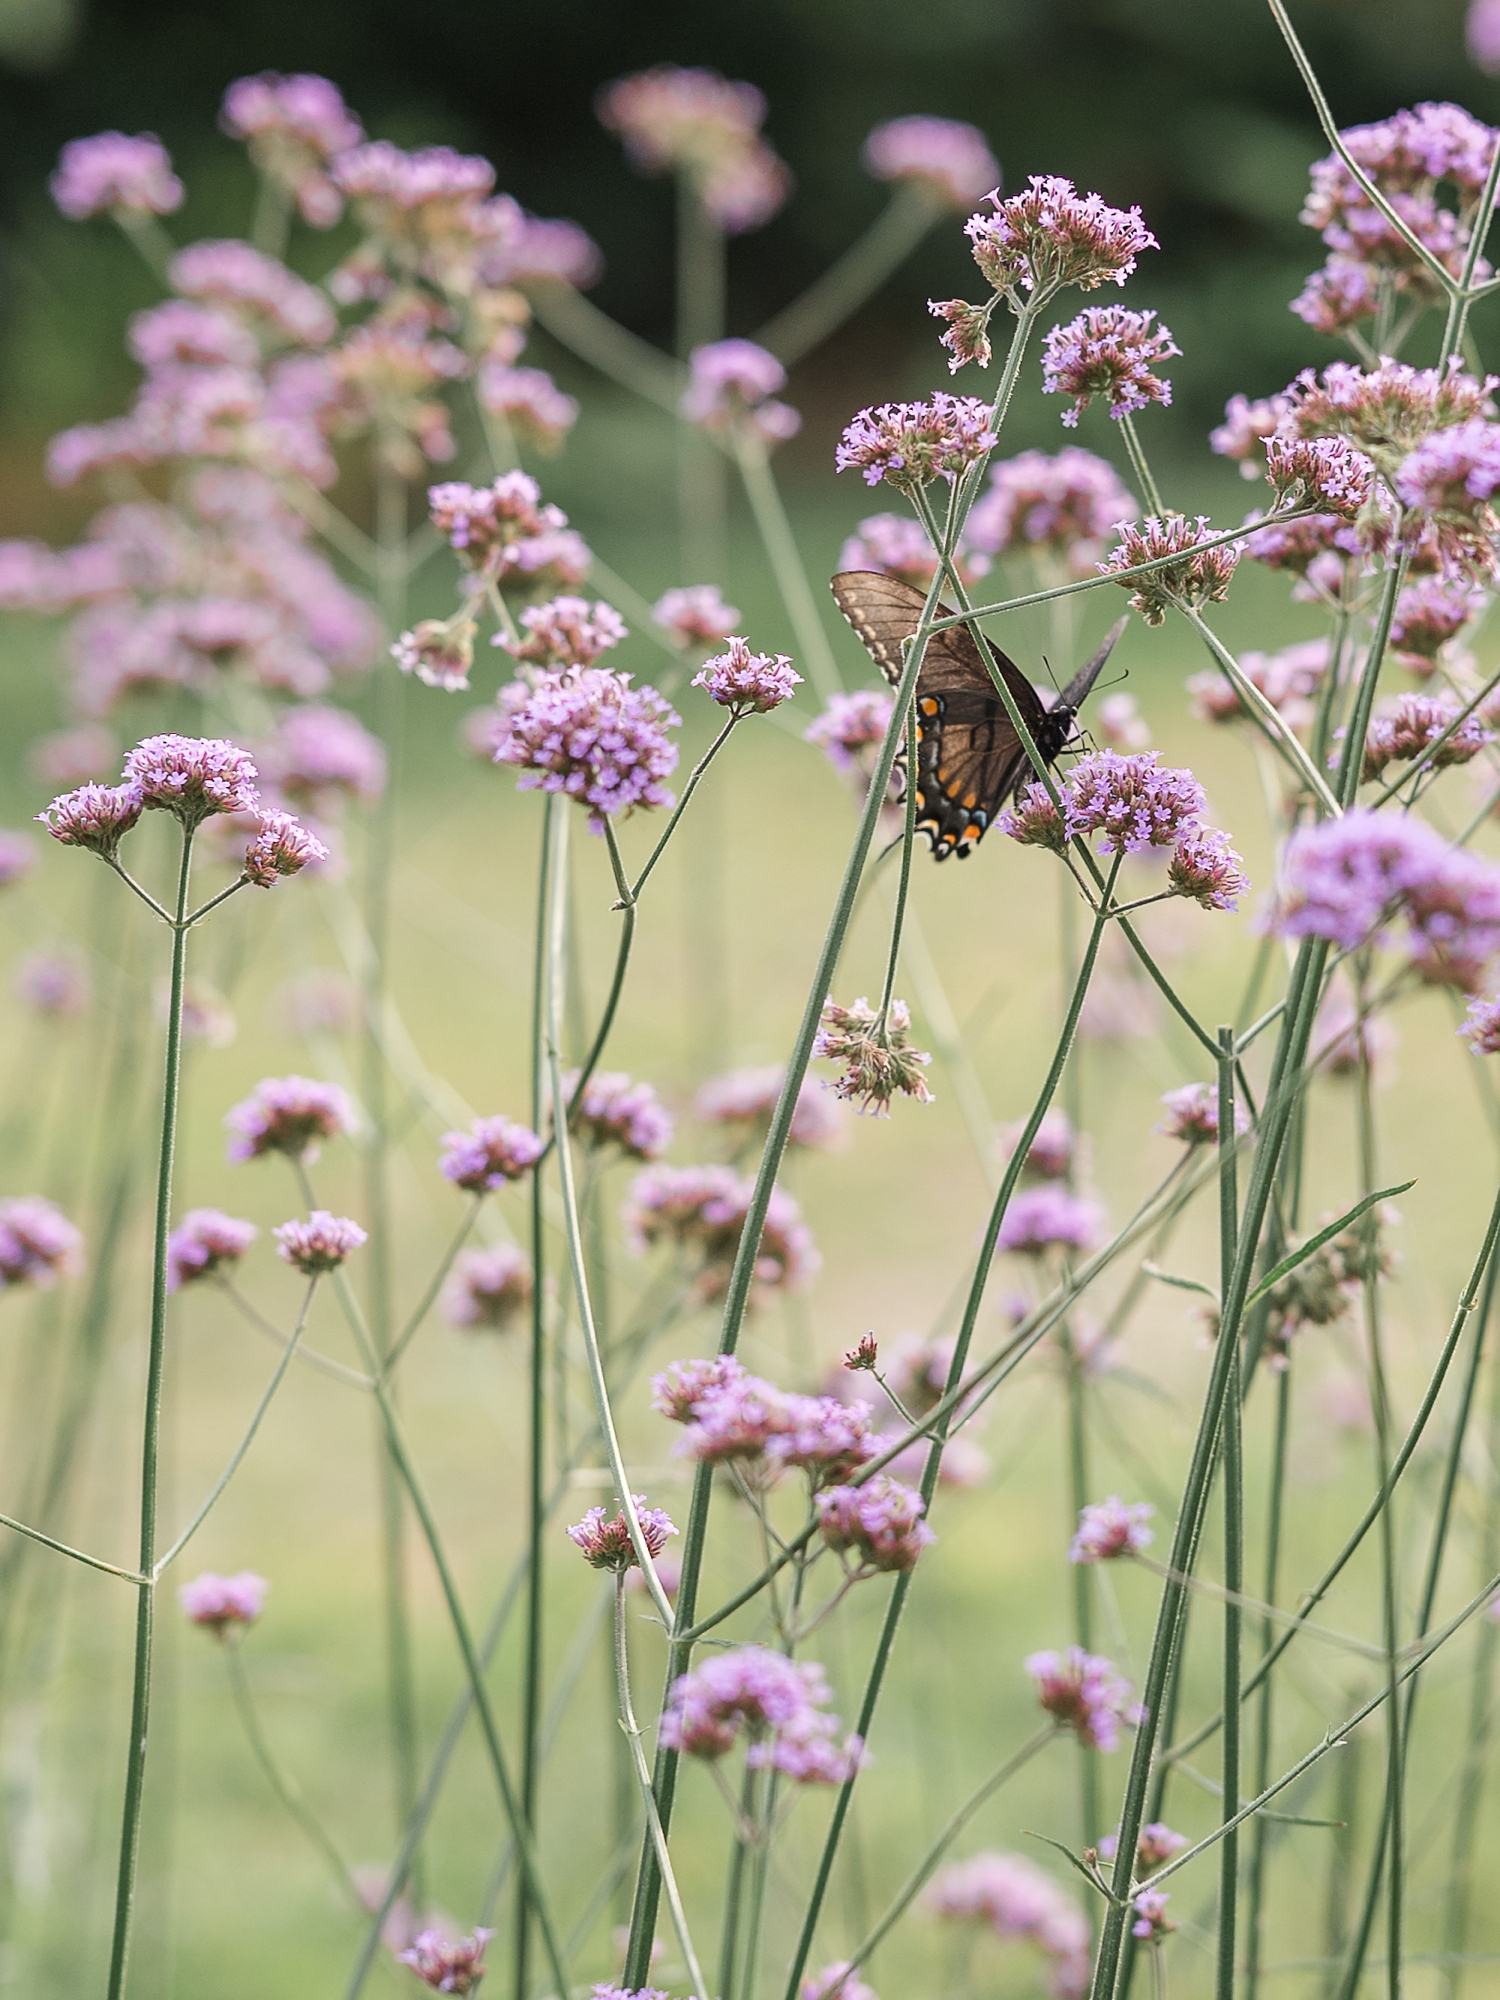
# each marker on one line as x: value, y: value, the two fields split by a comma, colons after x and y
x: 969, y: 757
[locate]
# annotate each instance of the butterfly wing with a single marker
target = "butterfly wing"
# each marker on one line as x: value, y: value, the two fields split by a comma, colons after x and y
x: 1076, y: 692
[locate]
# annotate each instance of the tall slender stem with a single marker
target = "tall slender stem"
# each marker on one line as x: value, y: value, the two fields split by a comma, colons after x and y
x: 1142, y: 470
x: 1263, y: 1721
x: 1234, y: 1529
x: 786, y: 562
x: 140, y: 1698
x: 830, y: 299
x: 285, y: 1788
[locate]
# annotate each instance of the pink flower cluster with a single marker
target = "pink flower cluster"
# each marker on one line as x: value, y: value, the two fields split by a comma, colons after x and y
x: 38, y: 1244
x: 294, y: 126
x: 492, y: 1152
x: 733, y: 384
x: 694, y: 122
x: 539, y: 413
x: 950, y: 161
x: 896, y: 545
x: 507, y: 534
x: 1429, y: 612
x: 115, y: 173
x: 605, y: 1539
x: 1109, y: 1529
x: 203, y: 1243
x: 875, y: 1054
x: 1053, y: 1149
x: 587, y: 733
x: 910, y: 444
x: 320, y: 756
x: 222, y: 1602
x: 1049, y: 236
x: 288, y: 1114
x: 851, y: 726
x: 566, y: 632
x: 444, y: 1965
x: 748, y: 683
x: 695, y: 615
x: 778, y: 1704
x: 615, y: 1111
x: 320, y: 1244
x: 1058, y: 507
x: 744, y: 1100
x: 1107, y: 352
x: 1193, y: 1114
x: 1084, y: 1693
x: 730, y: 1414
x: 702, y: 1210
x: 488, y: 1288
x: 1289, y: 680
x: 1193, y: 576
x: 1019, y: 1901
x: 1386, y: 410
x: 1047, y: 1218
x: 1412, y: 725
x: 879, y: 1524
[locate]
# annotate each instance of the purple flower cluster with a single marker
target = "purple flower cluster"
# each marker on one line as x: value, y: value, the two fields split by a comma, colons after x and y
x: 1245, y: 430
x: 54, y: 983
x: 506, y: 533
x: 1195, y: 576
x: 567, y: 632
x: 294, y: 126
x: 288, y: 1114
x: 444, y: 1965
x: 1429, y: 612
x: 744, y: 1100
x: 1056, y: 506
x: 1449, y: 482
x: 1049, y: 236
x: 321, y: 754
x: 1107, y: 351
x: 1157, y: 1843
x: 1151, y: 1920
x: 876, y: 1055
x: 320, y: 1244
x: 851, y: 726
x: 895, y: 545
x: 838, y: 1981
x: 702, y: 1211
x: 96, y: 817
x: 614, y: 1111
x: 1289, y: 680
x: 768, y: 1430
x: 778, y: 1704
x: 732, y: 385
x: 111, y: 171
x: 1019, y: 1901
x: 439, y: 651
x: 219, y: 1602
x: 605, y: 1539
x: 1481, y: 1026
x: 1052, y: 1151
x: 1109, y: 1529
x: 282, y: 846
x: 1207, y: 870
x: 950, y: 161
x: 1047, y: 1218
x: 1084, y: 1693
x: 1386, y: 410
x: 880, y: 1523
x: 539, y: 413
x: 1330, y: 470
x: 694, y: 122
x: 1415, y: 722
x: 38, y: 1244
x: 488, y: 1288
x: 590, y: 735
x: 695, y: 615
x: 192, y: 777
x: 1193, y: 1114
x: 910, y: 444
x: 492, y: 1152
x: 203, y: 1243
x: 748, y: 683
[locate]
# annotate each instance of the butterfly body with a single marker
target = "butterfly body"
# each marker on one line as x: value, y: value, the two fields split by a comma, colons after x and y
x: 970, y: 758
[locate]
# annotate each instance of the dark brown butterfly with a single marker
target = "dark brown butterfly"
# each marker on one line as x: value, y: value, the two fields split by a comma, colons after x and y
x: 969, y: 757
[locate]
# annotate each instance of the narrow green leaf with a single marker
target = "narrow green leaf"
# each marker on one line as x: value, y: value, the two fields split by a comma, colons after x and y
x: 1303, y: 1250
x: 1181, y: 1284
x: 1089, y: 1875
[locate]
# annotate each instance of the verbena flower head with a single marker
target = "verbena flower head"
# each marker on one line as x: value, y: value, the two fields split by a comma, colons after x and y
x: 294, y: 125
x: 1052, y: 1150
x: 507, y: 534
x: 1481, y: 1027
x: 895, y: 545
x: 1207, y: 870
x: 748, y: 683
x: 492, y: 1152
x: 850, y: 726
x: 837, y: 1981
x: 192, y: 777
x: 1048, y: 1218
x: 744, y: 1100
x: 1430, y: 611
x: 1157, y: 1843
x: 733, y: 1415
x: 1019, y: 1901
x: 1328, y: 470
x: 1449, y: 481
x: 1050, y: 236
x: 605, y: 1540
x: 1192, y: 1114
x: 1289, y: 680
x: 17, y: 856
x: 321, y: 755
x: 322, y: 1243
x: 1060, y: 506
x: 1416, y: 721
x: 530, y: 401
x: 283, y: 846
x: 910, y: 444
x: 949, y: 160
x: 1109, y: 1529
x: 203, y: 1243
x: 239, y: 279
x: 615, y: 1111
x: 1245, y: 429
x: 488, y: 1288
x: 439, y: 651
x: 1107, y: 352
x: 1151, y: 1920
x: 444, y: 1966
x: 288, y: 1114
x: 702, y: 1211
x: 1193, y: 577
x: 38, y: 1244
x: 587, y: 733
x: 1085, y: 1693
x: 880, y: 1523
x: 695, y: 615
x: 779, y: 1705
x: 1131, y: 803
x: 222, y: 1602
x: 967, y: 334
x: 733, y: 383
x: 1386, y: 410
x: 95, y: 816
x: 1346, y: 1038
x: 113, y: 172
x: 877, y: 1059
x: 54, y: 983
x: 567, y: 632
x: 682, y: 1385
x: 694, y: 121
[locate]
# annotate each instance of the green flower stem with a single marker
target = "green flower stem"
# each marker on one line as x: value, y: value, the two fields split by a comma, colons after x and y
x: 140, y: 1701
x: 1231, y: 1448
x: 781, y: 549
x: 632, y: 894
x: 1282, y: 739
x: 214, y: 901
x: 113, y: 862
x: 244, y: 1444
x: 324, y: 1363
x: 903, y: 886
x: 1164, y: 986
x: 1351, y: 760
x: 150, y: 239
x: 1142, y: 470
x: 922, y: 1873
x: 66, y: 1549
x: 852, y: 278
x: 1430, y: 751
x: 285, y: 1788
x: 930, y: 1470
x: 1082, y: 1580
x: 1458, y: 304
x: 429, y: 1296
x: 1256, y: 1886
x: 606, y: 345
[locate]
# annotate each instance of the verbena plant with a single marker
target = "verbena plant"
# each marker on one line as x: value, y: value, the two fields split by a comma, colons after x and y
x: 218, y: 575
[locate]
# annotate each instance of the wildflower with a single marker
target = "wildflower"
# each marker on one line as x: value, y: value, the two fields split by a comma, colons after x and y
x: 73, y: 756
x: 1151, y: 1920
x: 1052, y: 1150
x: 730, y: 1414
x: 606, y: 1543
x: 949, y: 161
x: 192, y: 777
x: 1452, y: 476
x: 1289, y: 680
x: 1338, y: 295
x: 968, y: 331
x: 850, y: 726
x: 1316, y: 547
x: 288, y: 1114
x: 531, y: 403
x: 679, y: 1388
x: 1415, y: 722
x: 1107, y: 351
x: 1193, y: 1114
x: 95, y: 816
x: 895, y: 545
x: 232, y: 275
x: 439, y: 651
x: 839, y: 1981
x: 1019, y: 1900
x: 1084, y: 1693
x: 1386, y: 410
x: 38, y: 1244
x: 223, y: 1602
x: 1195, y: 576
x: 1245, y: 430
x: 283, y: 846
x: 745, y: 1099
x: 1207, y: 869
x: 1131, y: 803
x: 747, y: 683
x: 1035, y: 821
x: 1109, y: 1529
x: 866, y: 1356
x: 778, y: 1704
x: 587, y: 733
x: 1330, y: 470
x: 1058, y: 506
x: 1481, y: 1028
x: 1429, y: 612
x: 321, y: 754
x: 322, y: 1243
x: 203, y: 1243
x: 1050, y: 236
x: 294, y: 126
x: 1120, y: 724
x: 1482, y: 36
x: 488, y: 1288
x: 875, y: 1052
x: 190, y: 335
x: 613, y: 1111
x: 445, y: 1967
x: 732, y: 385
x: 909, y: 444
x: 694, y: 121
x: 880, y: 1523
x: 1043, y: 1218
x: 702, y: 1210
x: 111, y: 171
x: 53, y: 983
x: 567, y: 632
x: 492, y: 1152
x: 696, y: 615
x: 1157, y: 1843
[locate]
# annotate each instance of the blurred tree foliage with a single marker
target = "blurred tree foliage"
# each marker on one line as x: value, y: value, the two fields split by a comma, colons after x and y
x: 1189, y: 107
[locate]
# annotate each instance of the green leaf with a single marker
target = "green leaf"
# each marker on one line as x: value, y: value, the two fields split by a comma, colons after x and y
x: 1181, y: 1284
x: 1304, y: 1250
x: 1089, y: 1875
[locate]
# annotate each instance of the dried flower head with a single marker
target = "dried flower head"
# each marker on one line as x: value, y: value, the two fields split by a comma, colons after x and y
x: 875, y: 1053
x: 445, y: 1966
x: 1192, y: 577
x: 1109, y: 1529
x: 950, y: 161
x: 288, y: 1114
x: 322, y: 1243
x: 492, y: 1152
x: 439, y: 651
x: 38, y: 1244
x: 880, y: 1523
x: 1084, y: 1693
x: 606, y: 1542
x: 910, y: 444
x: 748, y: 683
x: 587, y: 733
x: 203, y: 1243
x: 488, y: 1288
x: 967, y: 331
x: 1050, y: 236
x: 220, y: 1603
x: 1107, y: 352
